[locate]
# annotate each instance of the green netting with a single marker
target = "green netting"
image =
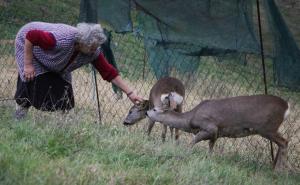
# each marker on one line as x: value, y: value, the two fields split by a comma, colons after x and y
x: 92, y: 16
x: 110, y: 57
x: 163, y: 59
x: 213, y: 24
x: 208, y: 27
x: 286, y: 52
x: 115, y: 12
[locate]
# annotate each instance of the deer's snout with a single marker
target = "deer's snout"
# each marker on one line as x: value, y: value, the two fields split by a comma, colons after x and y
x: 146, y: 113
x: 126, y: 123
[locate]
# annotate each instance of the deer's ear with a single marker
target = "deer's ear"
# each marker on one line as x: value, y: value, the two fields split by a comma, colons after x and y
x: 144, y: 104
x: 165, y: 101
x: 164, y: 98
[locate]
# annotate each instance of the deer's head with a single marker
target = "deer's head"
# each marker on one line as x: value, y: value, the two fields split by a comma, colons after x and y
x: 137, y: 113
x: 169, y: 103
x: 156, y: 114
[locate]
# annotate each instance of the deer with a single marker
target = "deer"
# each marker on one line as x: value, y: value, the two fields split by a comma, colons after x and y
x: 232, y: 117
x: 159, y: 97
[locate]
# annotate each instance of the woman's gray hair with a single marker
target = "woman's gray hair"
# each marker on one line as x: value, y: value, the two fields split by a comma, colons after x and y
x: 90, y: 34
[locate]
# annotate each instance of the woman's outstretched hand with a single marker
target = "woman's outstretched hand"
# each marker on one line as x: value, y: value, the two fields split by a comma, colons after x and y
x: 134, y: 98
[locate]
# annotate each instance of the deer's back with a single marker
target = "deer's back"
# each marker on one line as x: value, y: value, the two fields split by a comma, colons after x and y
x: 164, y: 86
x: 257, y: 112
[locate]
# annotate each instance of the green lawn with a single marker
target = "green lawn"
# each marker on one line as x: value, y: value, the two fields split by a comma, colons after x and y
x: 60, y: 151
x: 57, y: 150
x: 14, y: 14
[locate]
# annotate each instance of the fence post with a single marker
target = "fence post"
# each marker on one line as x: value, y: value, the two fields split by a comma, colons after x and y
x: 263, y: 63
x: 97, y: 95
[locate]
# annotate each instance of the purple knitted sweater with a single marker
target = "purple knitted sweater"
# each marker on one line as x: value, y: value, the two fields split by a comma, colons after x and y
x: 58, y: 57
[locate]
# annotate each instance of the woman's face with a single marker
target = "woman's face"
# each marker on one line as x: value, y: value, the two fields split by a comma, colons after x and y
x: 87, y: 49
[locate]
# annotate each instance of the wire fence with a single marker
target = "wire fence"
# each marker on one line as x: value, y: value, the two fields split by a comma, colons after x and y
x: 214, y: 78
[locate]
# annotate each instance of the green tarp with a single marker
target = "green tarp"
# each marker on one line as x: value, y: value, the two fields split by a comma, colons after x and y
x: 208, y: 27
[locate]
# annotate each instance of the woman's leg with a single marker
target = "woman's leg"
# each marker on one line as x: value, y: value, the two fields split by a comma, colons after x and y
x: 22, y: 99
x: 47, y: 92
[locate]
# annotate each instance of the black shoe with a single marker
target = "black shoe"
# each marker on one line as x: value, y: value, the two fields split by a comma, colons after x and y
x: 21, y: 112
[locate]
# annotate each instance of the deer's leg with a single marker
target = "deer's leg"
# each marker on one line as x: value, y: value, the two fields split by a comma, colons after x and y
x: 150, y: 126
x: 211, y: 133
x: 176, y: 134
x: 211, y: 128
x: 172, y: 132
x: 201, y: 135
x: 281, y: 157
x: 164, y: 133
x: 211, y: 145
x: 178, y: 109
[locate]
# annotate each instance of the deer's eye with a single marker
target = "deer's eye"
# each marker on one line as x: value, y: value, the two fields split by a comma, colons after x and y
x: 154, y: 110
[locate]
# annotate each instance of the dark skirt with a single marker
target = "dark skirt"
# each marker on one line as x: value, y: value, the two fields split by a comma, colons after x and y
x: 47, y: 92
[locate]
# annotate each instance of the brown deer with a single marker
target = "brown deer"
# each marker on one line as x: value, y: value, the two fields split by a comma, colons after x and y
x: 232, y: 117
x: 158, y: 97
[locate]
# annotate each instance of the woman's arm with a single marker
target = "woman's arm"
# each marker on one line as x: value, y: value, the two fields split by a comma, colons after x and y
x: 29, y: 71
x: 106, y: 70
x: 40, y: 38
x: 118, y: 81
x: 110, y: 74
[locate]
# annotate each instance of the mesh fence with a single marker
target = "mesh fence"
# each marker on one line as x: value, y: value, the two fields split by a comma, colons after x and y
x: 212, y: 77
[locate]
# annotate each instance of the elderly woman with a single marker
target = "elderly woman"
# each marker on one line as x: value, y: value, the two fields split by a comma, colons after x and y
x: 47, y: 53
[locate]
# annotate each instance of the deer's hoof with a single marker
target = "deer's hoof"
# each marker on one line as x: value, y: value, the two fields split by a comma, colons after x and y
x: 282, y: 166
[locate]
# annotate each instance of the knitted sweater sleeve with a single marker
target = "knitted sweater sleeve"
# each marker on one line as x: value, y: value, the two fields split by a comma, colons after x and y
x: 106, y: 70
x: 40, y: 38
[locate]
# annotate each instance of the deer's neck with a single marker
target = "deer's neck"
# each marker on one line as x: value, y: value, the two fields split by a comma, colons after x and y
x: 177, y: 120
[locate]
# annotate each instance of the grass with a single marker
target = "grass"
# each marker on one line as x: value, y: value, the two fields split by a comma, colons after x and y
x: 14, y: 14
x: 36, y: 151
x: 55, y: 150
